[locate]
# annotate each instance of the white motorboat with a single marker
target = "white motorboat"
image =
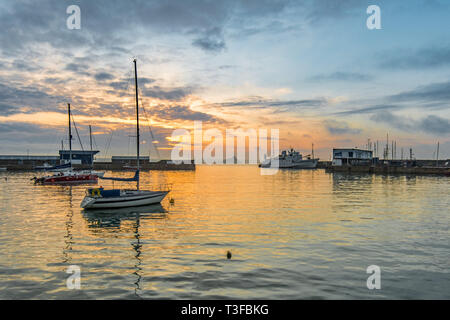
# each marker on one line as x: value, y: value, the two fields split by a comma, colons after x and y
x: 123, y: 198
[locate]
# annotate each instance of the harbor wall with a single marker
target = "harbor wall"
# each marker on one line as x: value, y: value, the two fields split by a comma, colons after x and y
x: 161, y: 165
x: 29, y: 165
x: 390, y: 170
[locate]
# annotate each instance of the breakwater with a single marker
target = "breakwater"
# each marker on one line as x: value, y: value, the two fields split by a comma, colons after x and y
x: 389, y: 170
x: 29, y: 165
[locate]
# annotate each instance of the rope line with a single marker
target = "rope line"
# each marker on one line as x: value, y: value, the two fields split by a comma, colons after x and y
x: 76, y: 130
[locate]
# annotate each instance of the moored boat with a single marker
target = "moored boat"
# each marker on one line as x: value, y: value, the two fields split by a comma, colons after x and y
x: 64, y: 174
x: 68, y: 177
x: 123, y: 198
x: 291, y: 159
x: 120, y: 198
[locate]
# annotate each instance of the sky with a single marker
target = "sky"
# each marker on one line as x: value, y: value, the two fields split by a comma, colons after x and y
x: 311, y: 69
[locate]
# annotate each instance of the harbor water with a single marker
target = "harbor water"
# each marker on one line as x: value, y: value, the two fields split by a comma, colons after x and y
x: 298, y: 234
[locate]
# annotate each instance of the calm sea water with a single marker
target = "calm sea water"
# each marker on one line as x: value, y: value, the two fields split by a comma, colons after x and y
x: 294, y: 235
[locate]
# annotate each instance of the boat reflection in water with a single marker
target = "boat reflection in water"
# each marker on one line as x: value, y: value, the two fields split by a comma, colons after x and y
x: 111, y: 220
x: 112, y: 217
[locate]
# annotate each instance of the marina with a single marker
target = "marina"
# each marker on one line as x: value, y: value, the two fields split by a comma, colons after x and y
x: 226, y: 151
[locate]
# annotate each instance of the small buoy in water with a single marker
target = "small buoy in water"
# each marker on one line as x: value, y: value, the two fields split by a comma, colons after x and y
x: 172, y: 200
x: 6, y: 178
x: 228, y: 254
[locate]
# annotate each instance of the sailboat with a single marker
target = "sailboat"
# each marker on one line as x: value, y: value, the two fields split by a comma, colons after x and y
x: 64, y: 174
x: 123, y: 198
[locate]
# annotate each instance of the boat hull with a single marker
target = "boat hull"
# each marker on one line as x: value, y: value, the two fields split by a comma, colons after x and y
x: 306, y: 164
x: 301, y: 164
x: 72, y: 179
x: 145, y: 198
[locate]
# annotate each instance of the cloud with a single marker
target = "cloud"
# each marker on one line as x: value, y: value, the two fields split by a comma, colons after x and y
x: 436, y: 125
x: 78, y: 68
x: 13, y: 133
x: 102, y: 76
x: 211, y: 41
x: 435, y: 92
x: 369, y: 110
x: 173, y: 94
x: 342, y: 76
x: 14, y: 98
x: 433, y: 96
x: 124, y: 84
x: 119, y: 85
x: 181, y: 112
x: 6, y: 109
x: 54, y: 80
x: 260, y: 102
x: 23, y: 65
x: 430, y: 124
x: 318, y: 11
x: 339, y: 127
x: 424, y: 58
x: 108, y: 24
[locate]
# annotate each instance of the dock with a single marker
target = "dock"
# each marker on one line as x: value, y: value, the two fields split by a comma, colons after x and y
x: 29, y: 163
x: 445, y: 171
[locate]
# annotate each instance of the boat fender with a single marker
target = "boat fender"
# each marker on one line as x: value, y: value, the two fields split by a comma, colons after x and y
x: 95, y: 192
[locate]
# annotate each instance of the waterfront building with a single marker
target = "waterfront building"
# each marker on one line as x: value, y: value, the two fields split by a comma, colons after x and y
x: 24, y: 159
x: 352, y: 157
x: 78, y: 156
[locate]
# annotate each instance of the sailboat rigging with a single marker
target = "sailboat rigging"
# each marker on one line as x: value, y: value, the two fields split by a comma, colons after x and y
x: 121, y: 198
x: 64, y: 174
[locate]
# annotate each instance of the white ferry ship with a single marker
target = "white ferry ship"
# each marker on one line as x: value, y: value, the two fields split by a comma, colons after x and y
x: 292, y: 159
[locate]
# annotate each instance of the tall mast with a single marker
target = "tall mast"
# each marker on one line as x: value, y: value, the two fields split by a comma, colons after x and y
x: 90, y: 136
x: 437, y: 155
x: 70, y: 137
x: 90, y: 142
x: 137, y: 119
